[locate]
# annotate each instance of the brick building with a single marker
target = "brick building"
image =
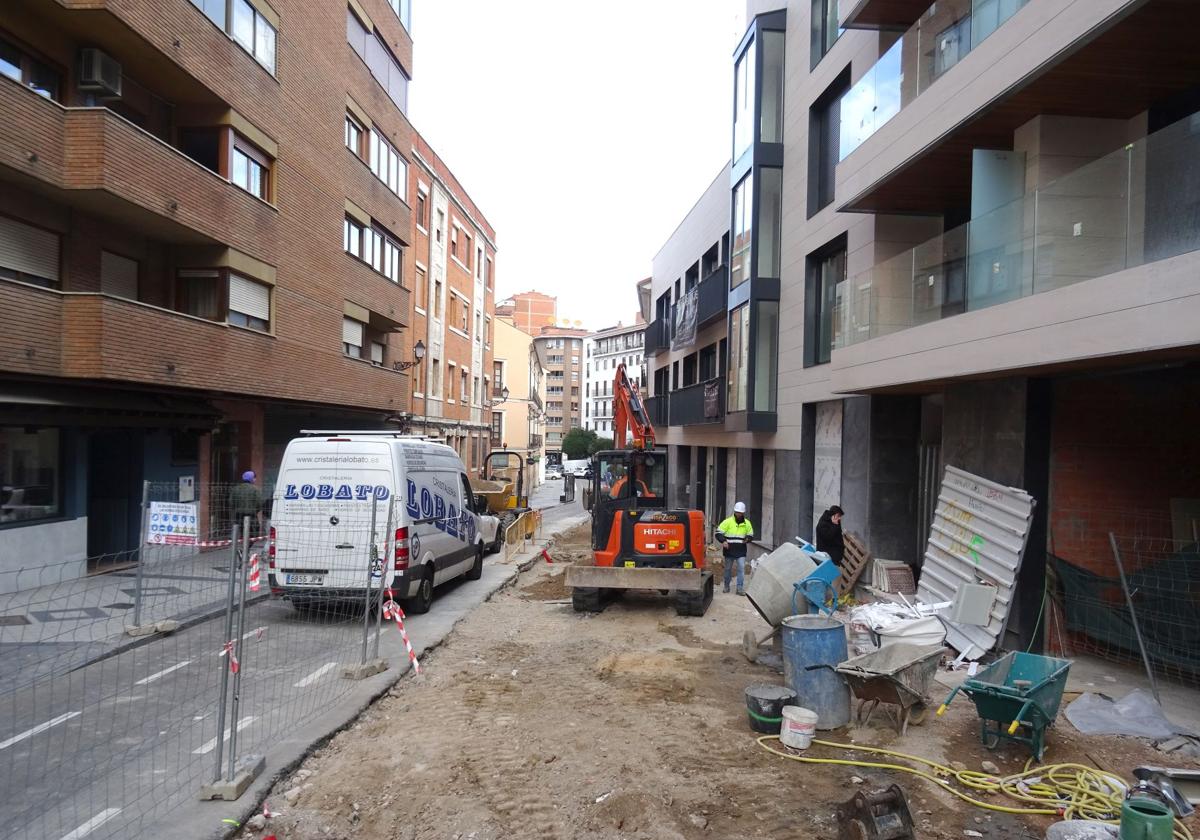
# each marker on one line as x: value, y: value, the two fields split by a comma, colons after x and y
x: 530, y: 311
x: 207, y: 243
x: 562, y: 350
x: 453, y: 258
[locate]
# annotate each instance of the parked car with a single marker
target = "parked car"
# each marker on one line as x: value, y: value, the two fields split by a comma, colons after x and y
x: 491, y: 533
x: 318, y: 546
x: 553, y: 472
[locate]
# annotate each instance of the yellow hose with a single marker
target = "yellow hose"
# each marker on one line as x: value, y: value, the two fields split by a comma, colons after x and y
x: 1071, y: 791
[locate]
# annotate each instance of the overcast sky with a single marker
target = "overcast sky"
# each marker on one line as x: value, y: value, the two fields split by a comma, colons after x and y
x: 583, y: 130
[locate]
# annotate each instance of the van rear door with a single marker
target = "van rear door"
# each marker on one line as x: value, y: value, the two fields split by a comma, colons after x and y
x: 322, y: 512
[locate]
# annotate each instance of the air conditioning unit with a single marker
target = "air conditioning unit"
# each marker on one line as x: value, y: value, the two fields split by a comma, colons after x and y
x: 100, y: 72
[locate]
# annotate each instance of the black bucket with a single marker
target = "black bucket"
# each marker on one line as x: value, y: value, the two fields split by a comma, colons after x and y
x: 764, y: 706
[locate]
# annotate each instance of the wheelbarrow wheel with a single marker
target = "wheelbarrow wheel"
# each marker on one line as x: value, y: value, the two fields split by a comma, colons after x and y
x: 990, y: 738
x: 917, y: 714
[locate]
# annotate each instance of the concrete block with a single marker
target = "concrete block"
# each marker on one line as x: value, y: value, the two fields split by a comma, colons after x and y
x: 246, y: 770
x: 169, y: 625
x: 365, y: 669
x: 141, y: 630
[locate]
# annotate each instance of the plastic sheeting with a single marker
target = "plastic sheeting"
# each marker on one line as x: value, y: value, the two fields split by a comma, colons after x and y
x: 1137, y: 714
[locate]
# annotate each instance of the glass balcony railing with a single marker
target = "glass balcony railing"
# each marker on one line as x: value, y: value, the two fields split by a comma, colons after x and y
x: 945, y: 33
x: 1134, y: 206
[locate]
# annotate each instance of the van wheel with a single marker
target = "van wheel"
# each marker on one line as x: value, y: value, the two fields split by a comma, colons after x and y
x: 498, y: 543
x: 476, y: 571
x: 424, y: 598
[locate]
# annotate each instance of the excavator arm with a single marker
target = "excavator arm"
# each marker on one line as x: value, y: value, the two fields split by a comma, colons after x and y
x: 630, y: 412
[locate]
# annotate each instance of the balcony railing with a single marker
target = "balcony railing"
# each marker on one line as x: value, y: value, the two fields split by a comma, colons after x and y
x: 658, y: 336
x: 703, y: 402
x: 656, y: 410
x: 535, y: 441
x: 536, y: 398
x: 713, y: 291
x: 944, y: 34
x: 1117, y: 212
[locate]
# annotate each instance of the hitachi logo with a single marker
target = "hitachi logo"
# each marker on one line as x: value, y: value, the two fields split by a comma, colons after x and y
x: 658, y: 532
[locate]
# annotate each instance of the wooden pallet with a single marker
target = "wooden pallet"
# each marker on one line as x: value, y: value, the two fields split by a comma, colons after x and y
x: 854, y: 561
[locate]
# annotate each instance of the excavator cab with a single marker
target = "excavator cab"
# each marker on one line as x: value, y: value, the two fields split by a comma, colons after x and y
x: 625, y: 479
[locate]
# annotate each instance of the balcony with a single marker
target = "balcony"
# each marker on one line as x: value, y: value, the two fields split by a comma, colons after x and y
x: 100, y: 337
x: 536, y: 399
x: 697, y: 404
x: 713, y: 292
x: 1126, y: 210
x: 95, y: 160
x: 658, y: 336
x: 536, y: 441
x: 880, y: 14
x: 656, y: 410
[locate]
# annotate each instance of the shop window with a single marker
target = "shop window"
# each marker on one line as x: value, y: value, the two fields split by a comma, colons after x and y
x: 30, y: 474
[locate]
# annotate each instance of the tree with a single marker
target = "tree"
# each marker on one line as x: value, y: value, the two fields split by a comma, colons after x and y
x: 600, y: 444
x: 577, y: 443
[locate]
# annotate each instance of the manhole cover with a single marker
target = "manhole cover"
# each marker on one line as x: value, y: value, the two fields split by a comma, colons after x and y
x: 120, y: 605
x: 12, y: 620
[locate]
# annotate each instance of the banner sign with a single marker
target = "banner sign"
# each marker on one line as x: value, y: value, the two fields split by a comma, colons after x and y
x: 171, y: 523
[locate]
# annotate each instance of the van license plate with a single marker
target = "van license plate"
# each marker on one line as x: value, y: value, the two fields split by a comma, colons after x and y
x: 305, y: 580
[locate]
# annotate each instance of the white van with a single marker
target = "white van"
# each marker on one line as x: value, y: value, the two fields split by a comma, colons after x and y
x: 328, y: 483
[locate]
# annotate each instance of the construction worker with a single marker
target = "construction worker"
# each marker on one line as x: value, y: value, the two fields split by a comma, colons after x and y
x: 639, y: 486
x: 734, y: 534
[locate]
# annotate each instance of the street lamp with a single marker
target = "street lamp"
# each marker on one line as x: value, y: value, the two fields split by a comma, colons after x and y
x: 418, y: 355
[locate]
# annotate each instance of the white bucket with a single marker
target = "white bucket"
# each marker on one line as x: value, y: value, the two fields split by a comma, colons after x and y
x: 799, y: 727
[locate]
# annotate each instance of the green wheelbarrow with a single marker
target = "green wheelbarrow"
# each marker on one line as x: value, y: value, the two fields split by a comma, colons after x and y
x: 1017, y: 697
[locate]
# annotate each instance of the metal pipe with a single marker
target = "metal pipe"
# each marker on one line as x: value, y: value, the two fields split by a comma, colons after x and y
x: 240, y: 571
x: 389, y: 538
x: 1112, y: 539
x: 233, y: 550
x: 141, y: 565
x: 371, y: 557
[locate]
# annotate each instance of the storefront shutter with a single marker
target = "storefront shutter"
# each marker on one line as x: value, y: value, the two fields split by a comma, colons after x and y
x: 249, y: 298
x: 28, y: 249
x: 118, y: 275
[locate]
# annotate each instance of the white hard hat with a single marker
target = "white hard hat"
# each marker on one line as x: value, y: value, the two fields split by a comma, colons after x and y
x: 740, y: 507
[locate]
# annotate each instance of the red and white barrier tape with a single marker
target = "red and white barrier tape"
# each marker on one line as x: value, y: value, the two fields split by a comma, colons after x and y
x: 391, y: 610
x: 255, y: 576
x: 220, y: 543
x: 234, y: 665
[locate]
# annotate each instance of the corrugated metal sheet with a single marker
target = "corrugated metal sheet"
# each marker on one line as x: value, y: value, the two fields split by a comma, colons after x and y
x: 979, y: 532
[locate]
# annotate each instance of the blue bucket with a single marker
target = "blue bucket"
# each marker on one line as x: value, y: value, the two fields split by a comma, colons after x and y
x: 809, y: 642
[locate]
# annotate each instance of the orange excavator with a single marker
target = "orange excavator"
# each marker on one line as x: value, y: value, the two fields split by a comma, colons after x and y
x: 637, y: 542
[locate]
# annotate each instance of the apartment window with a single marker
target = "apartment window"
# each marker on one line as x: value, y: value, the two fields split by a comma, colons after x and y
x: 418, y: 379
x: 770, y: 220
x: 198, y: 293
x: 422, y: 209
x: 352, y: 337
x: 825, y: 29
x: 487, y: 273
x: 454, y: 242
x: 441, y: 224
x: 743, y: 208
x: 487, y: 330
x: 743, y: 101
x: 422, y: 289
x: 249, y: 304
x: 435, y: 379
x: 450, y: 366
x: 708, y: 362
x: 377, y: 349
x: 466, y: 315
x: 825, y: 276
x: 951, y: 45
x: 497, y: 377
x: 770, y: 122
x: 403, y: 10
x: 29, y: 71
x: 739, y: 359
x: 766, y: 354
x: 374, y: 246
x: 251, y: 169
x: 29, y: 254
x: 464, y: 390
x: 475, y: 390
x: 478, y: 261
x: 30, y: 474
x: 383, y: 65
x: 467, y: 250
x: 118, y: 275
x: 355, y: 133
x: 824, y: 137
x: 387, y: 164
x: 256, y: 36
x: 214, y: 10
x: 497, y: 425
x: 437, y: 298
x: 478, y: 327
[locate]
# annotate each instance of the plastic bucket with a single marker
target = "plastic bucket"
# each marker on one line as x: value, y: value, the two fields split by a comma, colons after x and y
x: 812, y: 647
x: 764, y: 706
x: 799, y: 727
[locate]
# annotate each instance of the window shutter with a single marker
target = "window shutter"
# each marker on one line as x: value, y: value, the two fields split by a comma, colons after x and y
x: 249, y: 298
x: 376, y: 352
x: 352, y: 332
x: 28, y: 249
x: 118, y: 275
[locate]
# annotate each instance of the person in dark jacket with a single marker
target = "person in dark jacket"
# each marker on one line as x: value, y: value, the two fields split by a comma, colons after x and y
x: 829, y: 534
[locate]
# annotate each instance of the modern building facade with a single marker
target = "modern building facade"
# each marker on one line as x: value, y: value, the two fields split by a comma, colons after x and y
x: 518, y: 414
x: 562, y: 351
x: 530, y: 311
x: 947, y: 236
x: 206, y: 245
x: 603, y: 351
x: 453, y: 270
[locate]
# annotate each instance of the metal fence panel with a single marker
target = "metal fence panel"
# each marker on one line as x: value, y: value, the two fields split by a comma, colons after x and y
x: 979, y: 532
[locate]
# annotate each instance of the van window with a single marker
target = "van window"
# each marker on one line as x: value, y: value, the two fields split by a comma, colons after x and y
x: 468, y: 495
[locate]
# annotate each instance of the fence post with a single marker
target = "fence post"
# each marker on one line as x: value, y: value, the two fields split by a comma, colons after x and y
x: 239, y: 635
x: 1137, y: 628
x: 364, y: 668
x: 388, y: 553
x: 233, y: 567
x: 141, y: 555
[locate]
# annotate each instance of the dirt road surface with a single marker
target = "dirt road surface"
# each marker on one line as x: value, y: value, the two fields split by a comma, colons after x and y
x: 533, y: 721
